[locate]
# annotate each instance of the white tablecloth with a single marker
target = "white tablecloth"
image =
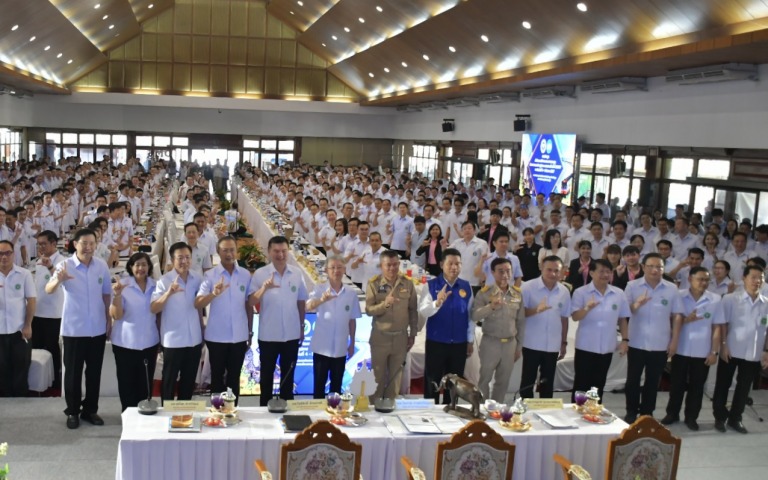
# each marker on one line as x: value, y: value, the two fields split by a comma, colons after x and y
x: 147, y: 451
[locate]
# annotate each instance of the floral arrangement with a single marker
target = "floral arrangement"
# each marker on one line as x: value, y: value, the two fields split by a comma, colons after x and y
x: 4, y: 470
x: 250, y: 256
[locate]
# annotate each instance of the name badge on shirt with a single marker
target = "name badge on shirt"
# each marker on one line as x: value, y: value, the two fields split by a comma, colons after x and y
x: 764, y: 321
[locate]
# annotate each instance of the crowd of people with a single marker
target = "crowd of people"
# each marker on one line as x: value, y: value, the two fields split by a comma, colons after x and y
x: 516, y: 265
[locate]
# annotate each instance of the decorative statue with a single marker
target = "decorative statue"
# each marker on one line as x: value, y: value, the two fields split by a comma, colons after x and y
x: 460, y: 388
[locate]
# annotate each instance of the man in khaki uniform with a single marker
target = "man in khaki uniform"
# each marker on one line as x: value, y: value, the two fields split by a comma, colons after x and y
x: 499, y: 308
x: 391, y: 300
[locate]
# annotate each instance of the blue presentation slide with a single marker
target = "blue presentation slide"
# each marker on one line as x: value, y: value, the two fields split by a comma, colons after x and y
x: 548, y: 162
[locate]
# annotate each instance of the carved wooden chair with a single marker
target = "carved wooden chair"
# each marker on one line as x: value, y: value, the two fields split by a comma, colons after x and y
x: 645, y: 450
x: 476, y: 449
x: 319, y: 451
x: 571, y: 471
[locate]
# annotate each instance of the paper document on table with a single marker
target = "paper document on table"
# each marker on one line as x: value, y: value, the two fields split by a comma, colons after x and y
x: 557, y: 419
x: 427, y: 424
x: 448, y: 423
x: 394, y: 425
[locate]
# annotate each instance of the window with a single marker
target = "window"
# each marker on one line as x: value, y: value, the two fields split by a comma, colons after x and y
x: 120, y: 139
x: 285, y: 145
x: 269, y: 144
x: 162, y: 141
x: 587, y: 162
x: 678, y: 168
x: 716, y: 169
x: 638, y: 168
x: 143, y: 141
x: 423, y: 159
x: 103, y: 139
x: 180, y: 141
x: 603, y: 165
x: 70, y: 138
x: 251, y: 143
x: 86, y: 138
x: 53, y: 138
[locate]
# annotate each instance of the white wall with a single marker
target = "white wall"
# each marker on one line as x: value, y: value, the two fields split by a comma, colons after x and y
x: 724, y: 115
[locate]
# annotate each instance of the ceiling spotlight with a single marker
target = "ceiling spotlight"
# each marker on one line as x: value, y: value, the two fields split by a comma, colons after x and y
x: 484, y: 38
x: 97, y: 6
x: 105, y: 17
x: 404, y: 64
x: 111, y: 27
x: 581, y: 6
x: 334, y: 37
x: 59, y: 55
x: 291, y: 12
x: 301, y: 4
x: 346, y: 29
x: 361, y: 20
x: 379, y: 9
x: 151, y: 5
x: 452, y: 49
x: 323, y: 44
x: 32, y: 38
x: 527, y: 25
x: 370, y: 74
x: 14, y: 28
x: 47, y: 47
x: 69, y: 61
x: 386, y: 69
x: 425, y: 57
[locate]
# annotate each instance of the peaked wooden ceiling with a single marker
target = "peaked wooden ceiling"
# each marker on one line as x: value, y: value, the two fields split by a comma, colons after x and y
x: 378, y: 52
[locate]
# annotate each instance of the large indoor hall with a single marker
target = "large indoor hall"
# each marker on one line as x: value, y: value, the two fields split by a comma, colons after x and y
x: 383, y: 239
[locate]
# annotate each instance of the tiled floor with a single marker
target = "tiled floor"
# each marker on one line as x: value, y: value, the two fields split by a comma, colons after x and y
x: 41, y: 447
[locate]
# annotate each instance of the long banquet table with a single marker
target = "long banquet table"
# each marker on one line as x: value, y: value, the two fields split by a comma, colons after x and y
x: 147, y: 451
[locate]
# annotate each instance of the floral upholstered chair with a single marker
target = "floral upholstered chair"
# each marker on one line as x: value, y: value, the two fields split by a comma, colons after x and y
x: 320, y: 452
x: 476, y: 452
x: 644, y: 451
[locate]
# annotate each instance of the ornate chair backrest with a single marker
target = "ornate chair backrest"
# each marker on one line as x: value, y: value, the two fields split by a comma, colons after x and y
x: 477, y: 449
x: 644, y: 450
x: 321, y: 451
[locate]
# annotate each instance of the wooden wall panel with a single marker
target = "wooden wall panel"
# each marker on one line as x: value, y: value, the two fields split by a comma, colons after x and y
x: 182, y: 48
x: 255, y: 81
x: 165, y: 76
x: 238, y: 51
x: 201, y: 49
x: 165, y: 47
x: 149, y: 76
x: 236, y: 80
x: 149, y: 47
x: 132, y: 75
x: 218, y: 78
x: 182, y: 81
x: 220, y: 19
x: 219, y: 50
x: 200, y: 78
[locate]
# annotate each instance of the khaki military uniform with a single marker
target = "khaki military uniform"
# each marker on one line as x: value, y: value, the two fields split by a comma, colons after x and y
x: 390, y: 330
x: 502, y: 336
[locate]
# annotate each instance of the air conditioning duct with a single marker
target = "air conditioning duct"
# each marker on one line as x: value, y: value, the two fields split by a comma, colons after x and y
x: 550, y: 92
x: 502, y: 97
x: 464, y: 102
x: 615, y: 85
x: 714, y: 73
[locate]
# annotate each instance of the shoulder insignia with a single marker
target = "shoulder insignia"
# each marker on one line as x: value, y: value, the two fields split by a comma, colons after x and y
x: 517, y: 289
x: 484, y: 289
x: 374, y: 278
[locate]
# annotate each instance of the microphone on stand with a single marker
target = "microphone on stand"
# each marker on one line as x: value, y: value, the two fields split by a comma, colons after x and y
x: 277, y: 404
x: 148, y: 406
x: 533, y: 385
x: 387, y: 405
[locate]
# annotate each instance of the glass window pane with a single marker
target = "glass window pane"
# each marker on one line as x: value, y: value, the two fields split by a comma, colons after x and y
x: 162, y: 141
x: 86, y: 155
x: 762, y: 211
x: 627, y: 159
x: 103, y: 139
x: 284, y: 158
x: 70, y: 152
x: 51, y: 137
x: 100, y: 152
x: 483, y: 153
x: 448, y: 151
x: 703, y: 199
x: 120, y: 139
x: 602, y: 184
x: 286, y: 145
x: 494, y: 171
x: 86, y: 138
x: 717, y: 169
x: 585, y: 185
x: 181, y: 141
x: 678, y: 168
x: 144, y: 141
x: 620, y: 191
x: 506, y: 157
x: 603, y: 164
x: 119, y: 155
x: 70, y: 138
x: 638, y: 170
x: 745, y: 205
x: 635, y: 195
x: 587, y: 162
x: 251, y: 143
x: 678, y: 193
x: 269, y: 144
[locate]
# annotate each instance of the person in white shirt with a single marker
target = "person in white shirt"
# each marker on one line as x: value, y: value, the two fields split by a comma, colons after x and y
x: 181, y: 323
x: 201, y: 258
x: 402, y: 230
x: 135, y: 337
x: 738, y: 255
x: 647, y: 230
x: 417, y: 238
x: 576, y: 234
x: 473, y: 252
x: 696, y: 332
x: 333, y: 341
x: 743, y: 347
x: 721, y: 283
x: 227, y: 288
x: 382, y: 222
x: 84, y: 326
x: 501, y: 251
x: 17, y: 307
x: 682, y: 271
x: 682, y: 240
x: 46, y: 324
x: 664, y: 247
x: 281, y: 290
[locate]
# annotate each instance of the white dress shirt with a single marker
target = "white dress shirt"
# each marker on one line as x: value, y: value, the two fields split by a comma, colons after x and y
x: 543, y: 331
x: 48, y: 305
x: 227, y: 313
x: 517, y: 272
x: 650, y: 327
x: 180, y: 321
x: 695, y: 338
x: 15, y: 289
x: 84, y: 313
x: 401, y: 228
x: 331, y: 335
x: 747, y: 322
x: 279, y: 312
x: 137, y: 329
x: 596, y: 332
x: 472, y: 253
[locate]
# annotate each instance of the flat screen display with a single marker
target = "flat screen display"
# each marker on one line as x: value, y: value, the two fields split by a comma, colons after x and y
x: 548, y: 160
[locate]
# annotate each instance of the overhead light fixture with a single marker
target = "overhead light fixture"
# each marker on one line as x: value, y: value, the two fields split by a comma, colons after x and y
x: 14, y: 28
x: 291, y: 12
x: 386, y: 69
x: 425, y: 57
x: 151, y: 5
x: 370, y: 74
x: 452, y: 49
x: 32, y: 38
x: 59, y: 55
x: 69, y: 61
x: 404, y: 64
x: 47, y: 47
x: 334, y: 37
x: 111, y: 27
x: 105, y: 17
x: 484, y: 38
x: 97, y: 6
x: 346, y: 29
x: 323, y: 44
x: 300, y: 3
x: 361, y: 20
x: 581, y: 6
x: 526, y: 25
x: 379, y: 9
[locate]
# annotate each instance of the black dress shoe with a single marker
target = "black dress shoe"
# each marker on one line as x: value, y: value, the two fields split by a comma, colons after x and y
x: 691, y: 424
x: 72, y: 422
x: 720, y: 426
x: 92, y: 418
x: 738, y: 426
x: 629, y: 418
x: 669, y: 420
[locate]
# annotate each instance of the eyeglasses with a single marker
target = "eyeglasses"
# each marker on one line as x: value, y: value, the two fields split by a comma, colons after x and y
x: 6, y: 253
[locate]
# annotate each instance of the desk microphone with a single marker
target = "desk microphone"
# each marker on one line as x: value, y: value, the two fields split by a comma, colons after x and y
x: 533, y: 385
x: 387, y: 405
x: 277, y: 404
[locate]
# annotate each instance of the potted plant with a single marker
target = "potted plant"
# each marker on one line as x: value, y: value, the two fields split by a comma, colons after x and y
x: 250, y: 256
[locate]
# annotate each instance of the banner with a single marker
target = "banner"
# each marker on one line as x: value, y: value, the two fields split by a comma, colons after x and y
x: 548, y: 162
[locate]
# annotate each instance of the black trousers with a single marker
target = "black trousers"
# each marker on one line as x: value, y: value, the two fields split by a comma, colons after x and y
x: 15, y: 357
x: 131, y: 375
x: 322, y: 367
x: 590, y: 370
x: 182, y: 364
x: 226, y: 364
x: 441, y: 359
x: 688, y: 374
x: 82, y: 352
x: 746, y: 375
x: 434, y: 270
x: 268, y: 356
x: 541, y: 364
x: 653, y: 363
x: 45, y: 336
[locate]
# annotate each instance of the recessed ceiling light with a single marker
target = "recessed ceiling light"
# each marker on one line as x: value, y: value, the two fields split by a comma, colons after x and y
x: 111, y: 27
x: 370, y: 74
x: 323, y: 44
x: 334, y: 37
x: 69, y: 61
x: 32, y: 38
x: 527, y: 25
x: 14, y: 28
x: 484, y: 38
x: 425, y: 57
x: 379, y: 9
x: 97, y: 6
x: 59, y: 55
x: 404, y: 64
x: 581, y: 6
x: 105, y: 17
x: 291, y: 12
x: 346, y: 29
x: 452, y: 49
x: 47, y: 47
x: 386, y: 69
x: 361, y: 20
x: 151, y: 5
x: 301, y: 4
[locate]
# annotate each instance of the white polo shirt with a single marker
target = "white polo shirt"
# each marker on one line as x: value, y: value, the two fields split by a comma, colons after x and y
x: 650, y: 327
x: 401, y: 228
x: 681, y: 245
x: 596, y: 332
x: 737, y: 262
x: 227, y: 314
x: 137, y: 329
x: 180, y: 322
x: 357, y: 248
x: 747, y: 323
x: 372, y: 265
x: 517, y: 272
x: 472, y: 253
x: 201, y: 259
x: 279, y: 312
x: 331, y: 335
x: 48, y: 305
x: 543, y: 331
x: 696, y: 337
x: 84, y: 313
x: 15, y: 289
